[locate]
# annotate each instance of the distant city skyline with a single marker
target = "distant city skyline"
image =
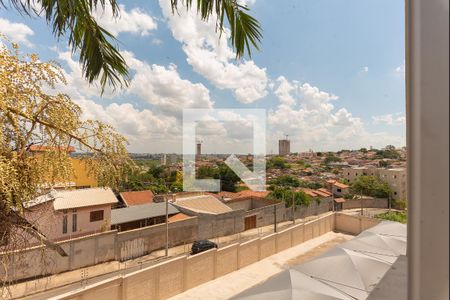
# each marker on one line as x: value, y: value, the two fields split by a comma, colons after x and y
x: 329, y: 76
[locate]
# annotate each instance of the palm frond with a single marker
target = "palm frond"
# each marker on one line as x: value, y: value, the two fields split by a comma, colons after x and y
x: 246, y: 31
x: 100, y: 59
x: 98, y: 49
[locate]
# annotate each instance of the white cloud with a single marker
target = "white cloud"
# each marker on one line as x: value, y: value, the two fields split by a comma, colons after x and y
x: 157, y: 85
x: 163, y: 87
x: 145, y: 130
x: 211, y: 57
x: 390, y: 119
x: 310, y: 119
x: 133, y: 21
x: 17, y: 32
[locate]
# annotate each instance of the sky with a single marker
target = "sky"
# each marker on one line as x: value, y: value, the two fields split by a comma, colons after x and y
x: 330, y: 74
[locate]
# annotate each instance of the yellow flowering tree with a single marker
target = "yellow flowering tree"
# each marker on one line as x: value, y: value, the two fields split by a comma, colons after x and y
x: 33, y: 113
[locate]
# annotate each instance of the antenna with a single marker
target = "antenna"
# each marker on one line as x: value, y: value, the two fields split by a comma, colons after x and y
x: 287, y: 136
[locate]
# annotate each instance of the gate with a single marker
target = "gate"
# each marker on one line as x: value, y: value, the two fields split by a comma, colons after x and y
x: 250, y: 222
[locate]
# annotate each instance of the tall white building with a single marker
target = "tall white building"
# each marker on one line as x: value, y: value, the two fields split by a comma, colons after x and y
x: 284, y: 147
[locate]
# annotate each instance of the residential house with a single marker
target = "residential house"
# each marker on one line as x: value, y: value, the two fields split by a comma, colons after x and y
x: 64, y: 214
x: 337, y: 188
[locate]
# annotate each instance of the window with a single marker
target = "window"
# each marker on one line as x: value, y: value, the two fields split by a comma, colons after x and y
x: 64, y: 228
x: 74, y: 220
x: 339, y: 190
x: 96, y: 215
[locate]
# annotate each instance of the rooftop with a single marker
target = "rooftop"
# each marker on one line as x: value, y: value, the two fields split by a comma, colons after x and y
x: 76, y: 198
x: 203, y: 204
x: 137, y: 197
x: 140, y: 212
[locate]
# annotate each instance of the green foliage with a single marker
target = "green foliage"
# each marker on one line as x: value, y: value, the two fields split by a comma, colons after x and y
x: 399, y: 204
x: 286, y: 180
x: 370, y: 186
x: 286, y: 195
x: 394, y: 216
x: 349, y: 196
x: 387, y: 153
x: 228, y: 179
x: 276, y: 163
x: 383, y: 164
x: 291, y: 181
x: 363, y: 150
x: 301, y: 162
x: 331, y: 158
x: 241, y: 188
x: 245, y: 30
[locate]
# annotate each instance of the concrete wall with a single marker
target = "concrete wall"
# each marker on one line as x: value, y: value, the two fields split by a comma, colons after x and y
x: 284, y: 239
x: 265, y: 215
x: 141, y: 241
x: 268, y: 246
x: 353, y: 224
x: 227, y: 260
x: 313, y: 209
x: 169, y: 278
x: 366, y: 202
x: 210, y: 226
x: 98, y: 248
x: 248, y: 253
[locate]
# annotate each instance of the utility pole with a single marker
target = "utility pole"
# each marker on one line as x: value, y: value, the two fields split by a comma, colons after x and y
x: 167, y: 225
x: 275, y: 217
x: 361, y: 200
x: 293, y: 207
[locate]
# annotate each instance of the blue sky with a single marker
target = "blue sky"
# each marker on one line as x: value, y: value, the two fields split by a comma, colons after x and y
x: 329, y: 73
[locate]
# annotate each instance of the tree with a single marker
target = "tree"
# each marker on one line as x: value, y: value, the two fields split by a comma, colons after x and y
x: 370, y: 186
x: 286, y: 195
x: 389, y: 147
x: 31, y: 113
x: 98, y: 51
x: 228, y: 179
x: 277, y: 163
x: 383, y: 164
x: 331, y: 158
x: 286, y: 180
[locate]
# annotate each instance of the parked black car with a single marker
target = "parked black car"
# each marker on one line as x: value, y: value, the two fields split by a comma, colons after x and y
x: 202, y: 245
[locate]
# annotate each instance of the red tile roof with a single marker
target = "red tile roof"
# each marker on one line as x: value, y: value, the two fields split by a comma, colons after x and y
x: 309, y: 192
x: 341, y: 185
x: 137, y: 197
x: 178, y: 217
x: 325, y: 191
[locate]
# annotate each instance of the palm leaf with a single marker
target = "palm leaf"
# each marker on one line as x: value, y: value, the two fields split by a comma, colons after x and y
x: 98, y: 49
x: 246, y: 31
